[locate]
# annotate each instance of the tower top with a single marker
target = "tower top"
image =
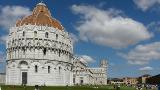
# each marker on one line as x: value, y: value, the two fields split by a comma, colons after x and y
x: 41, y: 3
x: 103, y: 63
x: 40, y: 16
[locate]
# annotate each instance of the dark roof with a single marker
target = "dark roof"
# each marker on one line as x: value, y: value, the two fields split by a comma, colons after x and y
x: 154, y: 79
x: 116, y: 79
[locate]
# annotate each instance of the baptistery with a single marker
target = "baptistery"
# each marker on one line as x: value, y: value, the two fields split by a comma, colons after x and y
x: 39, y: 51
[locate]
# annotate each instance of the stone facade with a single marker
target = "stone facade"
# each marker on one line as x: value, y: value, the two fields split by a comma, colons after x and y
x: 39, y: 55
x: 40, y: 52
x: 130, y: 80
x: 2, y: 78
x: 92, y: 76
x: 81, y: 74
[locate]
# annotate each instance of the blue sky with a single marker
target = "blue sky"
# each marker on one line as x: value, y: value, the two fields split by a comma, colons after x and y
x: 125, y: 32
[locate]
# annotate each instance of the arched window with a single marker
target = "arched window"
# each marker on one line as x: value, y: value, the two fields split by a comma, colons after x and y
x: 59, y: 69
x: 23, y: 33
x: 46, y: 34
x: 35, y: 33
x: 56, y: 36
x: 23, y: 49
x: 59, y: 53
x: 49, y: 69
x: 44, y: 51
x: 36, y: 68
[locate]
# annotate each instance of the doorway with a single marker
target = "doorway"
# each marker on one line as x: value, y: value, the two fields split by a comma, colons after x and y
x: 24, y: 78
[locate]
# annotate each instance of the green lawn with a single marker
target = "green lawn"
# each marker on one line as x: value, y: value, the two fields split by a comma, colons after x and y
x: 63, y: 88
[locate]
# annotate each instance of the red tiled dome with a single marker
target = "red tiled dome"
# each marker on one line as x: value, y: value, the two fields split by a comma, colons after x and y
x: 40, y: 16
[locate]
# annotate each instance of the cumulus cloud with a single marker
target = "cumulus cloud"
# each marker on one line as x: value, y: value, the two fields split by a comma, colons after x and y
x: 74, y: 38
x: 147, y: 68
x: 9, y: 15
x: 2, y: 57
x: 86, y: 59
x: 154, y: 26
x: 146, y: 4
x: 109, y: 27
x: 3, y: 39
x: 143, y: 54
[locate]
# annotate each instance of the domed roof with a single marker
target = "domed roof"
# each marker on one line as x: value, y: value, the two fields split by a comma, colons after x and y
x: 41, y: 16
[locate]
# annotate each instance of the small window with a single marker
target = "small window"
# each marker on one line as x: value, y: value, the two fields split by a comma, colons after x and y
x: 44, y: 51
x: 23, y: 49
x: 36, y: 68
x: 35, y: 33
x: 59, y: 70
x: 49, y: 69
x: 46, y: 34
x: 56, y: 36
x: 74, y: 80
x: 59, y: 53
x: 23, y: 33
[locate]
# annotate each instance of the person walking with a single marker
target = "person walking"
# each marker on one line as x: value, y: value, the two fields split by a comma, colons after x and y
x: 158, y: 86
x: 36, y: 87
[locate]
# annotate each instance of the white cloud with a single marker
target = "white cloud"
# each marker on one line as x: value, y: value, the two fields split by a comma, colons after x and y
x: 109, y: 27
x: 74, y: 38
x: 9, y: 15
x: 143, y: 54
x: 146, y: 4
x: 86, y: 59
x: 3, y: 39
x: 154, y: 26
x: 147, y: 68
x: 2, y: 57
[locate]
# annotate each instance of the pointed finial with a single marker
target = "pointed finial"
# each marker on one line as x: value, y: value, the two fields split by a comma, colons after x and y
x: 41, y: 3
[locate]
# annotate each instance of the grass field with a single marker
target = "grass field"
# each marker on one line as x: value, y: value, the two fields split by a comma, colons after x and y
x: 63, y: 88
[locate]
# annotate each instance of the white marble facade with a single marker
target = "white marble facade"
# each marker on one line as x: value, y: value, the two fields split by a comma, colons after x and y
x: 39, y: 55
x: 51, y: 55
x: 40, y: 52
x: 84, y: 75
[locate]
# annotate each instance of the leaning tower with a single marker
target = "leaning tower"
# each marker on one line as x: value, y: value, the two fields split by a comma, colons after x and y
x: 39, y: 51
x: 104, y: 66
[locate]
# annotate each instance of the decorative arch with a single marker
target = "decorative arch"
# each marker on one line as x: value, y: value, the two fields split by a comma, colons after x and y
x: 23, y: 64
x: 68, y: 67
x: 47, y: 44
x: 38, y: 43
x: 48, y: 63
x: 13, y: 64
x: 29, y: 43
x: 21, y: 43
x: 35, y: 63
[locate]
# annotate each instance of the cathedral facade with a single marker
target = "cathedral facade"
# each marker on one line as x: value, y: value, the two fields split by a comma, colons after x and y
x: 40, y: 51
x: 84, y: 75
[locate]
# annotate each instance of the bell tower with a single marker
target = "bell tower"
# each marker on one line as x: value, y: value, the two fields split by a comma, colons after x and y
x: 104, y: 66
x: 103, y: 63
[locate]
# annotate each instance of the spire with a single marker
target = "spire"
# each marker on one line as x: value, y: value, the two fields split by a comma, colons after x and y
x: 41, y: 3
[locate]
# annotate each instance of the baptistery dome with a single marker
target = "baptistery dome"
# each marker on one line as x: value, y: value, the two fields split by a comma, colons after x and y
x: 39, y: 51
x: 40, y: 16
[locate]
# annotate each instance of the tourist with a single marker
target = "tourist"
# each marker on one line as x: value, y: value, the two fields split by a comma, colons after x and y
x: 158, y: 86
x: 36, y: 87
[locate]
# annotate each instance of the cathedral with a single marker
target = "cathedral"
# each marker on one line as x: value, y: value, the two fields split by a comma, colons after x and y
x: 40, y: 52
